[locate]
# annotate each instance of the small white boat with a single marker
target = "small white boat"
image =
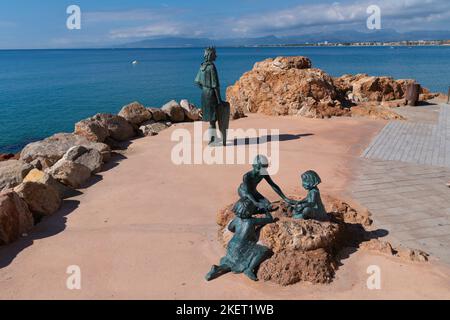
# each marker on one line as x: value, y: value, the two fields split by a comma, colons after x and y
x: 134, y: 62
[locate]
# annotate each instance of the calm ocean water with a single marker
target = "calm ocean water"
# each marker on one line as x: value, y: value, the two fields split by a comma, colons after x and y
x: 46, y: 91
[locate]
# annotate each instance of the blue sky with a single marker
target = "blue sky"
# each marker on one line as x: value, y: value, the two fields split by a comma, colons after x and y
x: 42, y: 24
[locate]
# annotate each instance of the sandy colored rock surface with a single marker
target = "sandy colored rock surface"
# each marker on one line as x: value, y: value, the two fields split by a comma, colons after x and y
x: 146, y: 230
x: 70, y: 173
x: 135, y: 113
x: 12, y: 173
x: 51, y: 149
x: 15, y: 217
x: 285, y: 86
x: 41, y: 199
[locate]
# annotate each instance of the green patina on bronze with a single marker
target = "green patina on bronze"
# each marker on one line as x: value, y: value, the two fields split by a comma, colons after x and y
x: 213, y: 107
x: 250, y: 181
x: 244, y: 254
x: 310, y: 207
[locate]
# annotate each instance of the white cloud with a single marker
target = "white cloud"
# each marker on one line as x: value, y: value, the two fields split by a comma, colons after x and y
x: 151, y: 30
x: 396, y: 12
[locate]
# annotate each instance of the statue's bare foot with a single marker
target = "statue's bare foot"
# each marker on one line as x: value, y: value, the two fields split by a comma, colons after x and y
x: 249, y: 273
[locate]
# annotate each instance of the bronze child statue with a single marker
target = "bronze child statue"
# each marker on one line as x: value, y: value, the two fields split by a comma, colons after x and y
x: 244, y: 255
x: 310, y: 207
x: 247, y: 189
x: 214, y: 109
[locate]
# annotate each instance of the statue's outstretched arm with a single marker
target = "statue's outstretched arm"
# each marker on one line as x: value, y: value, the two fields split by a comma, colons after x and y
x: 263, y: 221
x: 275, y: 187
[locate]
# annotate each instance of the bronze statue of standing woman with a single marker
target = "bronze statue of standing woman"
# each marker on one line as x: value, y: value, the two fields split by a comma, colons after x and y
x: 214, y: 109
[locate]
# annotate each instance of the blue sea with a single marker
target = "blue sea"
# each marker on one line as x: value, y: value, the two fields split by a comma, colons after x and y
x: 47, y: 91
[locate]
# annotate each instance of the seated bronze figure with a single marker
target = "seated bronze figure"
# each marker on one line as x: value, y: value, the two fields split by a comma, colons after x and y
x: 310, y: 207
x: 244, y: 255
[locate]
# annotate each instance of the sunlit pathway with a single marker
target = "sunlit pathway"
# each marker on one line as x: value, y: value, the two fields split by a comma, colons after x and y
x: 402, y: 181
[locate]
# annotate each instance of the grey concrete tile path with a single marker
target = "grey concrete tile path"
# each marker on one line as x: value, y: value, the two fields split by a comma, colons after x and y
x: 402, y: 181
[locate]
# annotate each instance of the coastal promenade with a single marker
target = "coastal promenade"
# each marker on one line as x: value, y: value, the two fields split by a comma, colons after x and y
x: 146, y: 228
x: 402, y: 179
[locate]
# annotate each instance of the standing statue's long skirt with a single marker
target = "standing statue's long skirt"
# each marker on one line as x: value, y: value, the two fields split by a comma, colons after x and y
x: 209, y: 104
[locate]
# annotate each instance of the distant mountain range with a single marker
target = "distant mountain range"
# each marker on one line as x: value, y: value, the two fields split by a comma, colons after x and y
x: 337, y: 36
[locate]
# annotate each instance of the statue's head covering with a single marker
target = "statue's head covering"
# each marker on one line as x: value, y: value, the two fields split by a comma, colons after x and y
x: 261, y: 163
x: 210, y: 54
x: 310, y: 179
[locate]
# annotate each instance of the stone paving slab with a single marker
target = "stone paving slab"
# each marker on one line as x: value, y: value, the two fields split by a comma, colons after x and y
x: 414, y: 141
x: 402, y: 182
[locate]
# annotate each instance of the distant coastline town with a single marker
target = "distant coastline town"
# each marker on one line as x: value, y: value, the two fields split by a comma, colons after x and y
x: 364, y: 44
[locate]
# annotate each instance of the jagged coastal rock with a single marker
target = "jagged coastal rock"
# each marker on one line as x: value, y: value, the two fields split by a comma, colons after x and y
x: 15, y: 217
x: 50, y: 150
x: 285, y: 86
x: 135, y: 113
x: 42, y: 199
x: 12, y: 173
x: 290, y: 86
x: 174, y: 111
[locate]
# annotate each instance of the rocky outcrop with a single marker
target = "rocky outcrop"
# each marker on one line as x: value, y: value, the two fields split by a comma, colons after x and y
x: 42, y: 199
x: 70, y: 173
x: 152, y: 128
x: 50, y: 150
x: 174, y: 111
x: 12, y: 173
x: 290, y: 86
x: 15, y: 217
x: 364, y: 88
x: 191, y: 112
x: 285, y: 86
x: 89, y: 158
x: 135, y: 113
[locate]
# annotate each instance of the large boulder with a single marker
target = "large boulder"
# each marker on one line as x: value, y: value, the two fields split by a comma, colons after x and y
x: 51, y: 149
x: 39, y: 176
x: 42, y: 199
x: 135, y: 113
x: 158, y: 114
x: 70, y: 173
x: 191, y: 112
x: 174, y: 111
x: 90, y: 158
x: 93, y: 130
x: 152, y: 128
x: 118, y: 128
x: 15, y: 217
x: 12, y: 173
x: 285, y: 86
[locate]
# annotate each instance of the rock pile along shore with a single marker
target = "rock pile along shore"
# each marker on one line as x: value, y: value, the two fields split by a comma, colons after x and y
x: 34, y: 182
